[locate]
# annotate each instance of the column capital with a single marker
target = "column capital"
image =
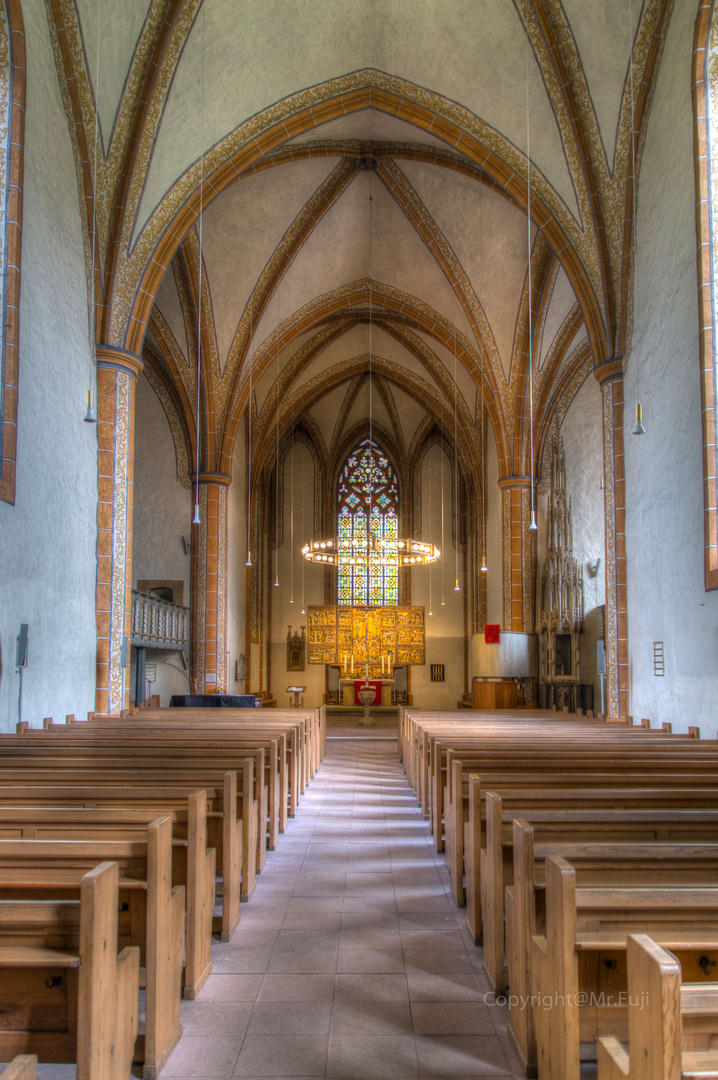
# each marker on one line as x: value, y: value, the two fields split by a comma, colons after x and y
x: 211, y: 478
x: 109, y: 357
x: 523, y: 482
x: 609, y: 370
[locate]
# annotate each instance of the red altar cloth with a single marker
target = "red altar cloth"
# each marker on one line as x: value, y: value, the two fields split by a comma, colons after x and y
x: 376, y: 687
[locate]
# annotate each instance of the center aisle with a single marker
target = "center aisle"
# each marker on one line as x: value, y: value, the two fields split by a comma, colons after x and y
x: 350, y: 959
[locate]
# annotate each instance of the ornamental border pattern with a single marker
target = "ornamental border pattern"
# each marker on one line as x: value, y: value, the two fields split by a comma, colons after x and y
x: 506, y: 545
x: 221, y: 584
x: 116, y: 681
x: 6, y: 80
x: 526, y: 545
x: 201, y: 592
x: 612, y: 705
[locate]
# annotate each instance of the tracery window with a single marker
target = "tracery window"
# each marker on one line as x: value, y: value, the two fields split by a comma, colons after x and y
x: 368, y: 527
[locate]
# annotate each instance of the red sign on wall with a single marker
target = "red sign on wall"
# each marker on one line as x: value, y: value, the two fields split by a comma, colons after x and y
x: 492, y: 633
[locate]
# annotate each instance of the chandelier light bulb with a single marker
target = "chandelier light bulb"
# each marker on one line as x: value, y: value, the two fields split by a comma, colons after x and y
x: 90, y: 416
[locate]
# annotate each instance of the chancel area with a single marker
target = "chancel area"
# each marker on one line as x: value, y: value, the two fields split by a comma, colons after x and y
x: 358, y: 372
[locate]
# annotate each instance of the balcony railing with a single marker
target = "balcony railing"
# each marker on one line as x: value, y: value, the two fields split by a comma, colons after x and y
x: 158, y: 624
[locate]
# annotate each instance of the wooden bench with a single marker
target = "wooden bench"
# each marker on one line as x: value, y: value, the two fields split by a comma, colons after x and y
x: 647, y: 787
x: 193, y: 862
x: 658, y: 1004
x: 583, y: 952
x: 595, y: 863
x: 23, y: 1067
x: 158, y: 769
x: 540, y: 833
x: 151, y: 914
x: 143, y: 804
x: 67, y: 996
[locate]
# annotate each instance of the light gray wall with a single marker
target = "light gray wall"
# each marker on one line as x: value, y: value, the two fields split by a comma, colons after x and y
x: 162, y: 515
x: 444, y: 630
x: 582, y: 432
x: 666, y: 596
x: 48, y: 539
x: 237, y: 560
x: 494, y: 534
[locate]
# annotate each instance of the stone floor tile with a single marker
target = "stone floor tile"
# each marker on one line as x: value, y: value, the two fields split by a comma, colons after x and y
x: 206, y: 1055
x: 231, y: 987
x: 282, y: 1055
x: 451, y: 1018
x: 303, y: 1018
x: 355, y: 1056
x: 378, y: 960
x: 293, y: 988
x: 225, y: 1018
x: 461, y: 1055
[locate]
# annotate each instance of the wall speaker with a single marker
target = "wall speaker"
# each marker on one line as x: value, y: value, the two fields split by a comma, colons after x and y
x: 123, y: 653
x: 21, y: 652
x: 601, y: 657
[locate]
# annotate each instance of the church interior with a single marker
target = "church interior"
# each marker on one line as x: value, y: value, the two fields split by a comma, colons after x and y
x: 357, y: 346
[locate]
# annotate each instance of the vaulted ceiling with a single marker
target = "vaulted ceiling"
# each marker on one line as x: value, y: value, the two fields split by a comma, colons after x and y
x: 356, y: 178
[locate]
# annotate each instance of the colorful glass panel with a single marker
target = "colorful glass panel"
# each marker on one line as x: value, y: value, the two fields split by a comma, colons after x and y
x: 368, y: 493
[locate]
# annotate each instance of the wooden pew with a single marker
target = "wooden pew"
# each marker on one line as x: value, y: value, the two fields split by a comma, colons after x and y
x: 152, y: 913
x: 67, y: 996
x: 539, y: 833
x: 142, y: 804
x: 690, y: 790
x: 609, y: 864
x: 533, y: 792
x: 23, y: 1067
x: 583, y: 951
x: 658, y: 1002
x: 183, y: 755
x: 97, y: 768
x: 193, y: 862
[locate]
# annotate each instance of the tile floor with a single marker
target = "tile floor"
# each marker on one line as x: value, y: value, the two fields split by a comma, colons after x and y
x: 350, y: 960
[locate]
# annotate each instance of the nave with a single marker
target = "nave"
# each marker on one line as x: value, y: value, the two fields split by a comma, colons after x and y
x: 350, y: 960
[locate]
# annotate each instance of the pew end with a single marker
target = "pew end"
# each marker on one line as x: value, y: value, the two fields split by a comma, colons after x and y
x: 23, y: 1067
x: 655, y: 1021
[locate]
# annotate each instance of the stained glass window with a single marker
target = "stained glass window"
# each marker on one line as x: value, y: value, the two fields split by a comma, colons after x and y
x: 367, y: 529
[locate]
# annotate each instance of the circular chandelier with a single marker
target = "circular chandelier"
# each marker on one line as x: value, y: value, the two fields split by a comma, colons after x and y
x: 354, y: 551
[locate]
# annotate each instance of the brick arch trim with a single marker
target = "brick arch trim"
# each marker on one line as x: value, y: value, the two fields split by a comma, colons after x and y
x: 705, y: 23
x: 12, y: 125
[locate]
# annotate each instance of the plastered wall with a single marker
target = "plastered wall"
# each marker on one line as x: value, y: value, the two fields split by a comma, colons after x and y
x: 163, y: 512
x: 236, y: 563
x: 48, y: 539
x: 445, y: 628
x: 664, y: 520
x: 582, y: 433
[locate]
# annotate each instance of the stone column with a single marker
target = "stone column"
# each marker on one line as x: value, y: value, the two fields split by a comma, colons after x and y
x: 610, y: 378
x: 519, y: 554
x: 209, y: 584
x: 117, y: 374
